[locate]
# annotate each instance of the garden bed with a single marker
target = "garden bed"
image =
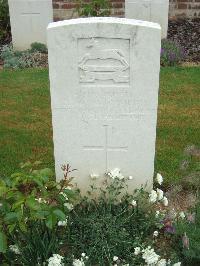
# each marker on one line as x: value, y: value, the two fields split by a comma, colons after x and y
x: 186, y: 32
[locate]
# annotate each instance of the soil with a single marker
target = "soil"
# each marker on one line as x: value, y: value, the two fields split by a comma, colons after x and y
x: 187, y: 34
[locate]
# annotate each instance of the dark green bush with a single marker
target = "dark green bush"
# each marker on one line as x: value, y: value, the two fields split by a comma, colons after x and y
x: 4, y: 19
x: 39, y: 47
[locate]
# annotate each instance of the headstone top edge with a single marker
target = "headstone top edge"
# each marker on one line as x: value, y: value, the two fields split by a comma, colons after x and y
x: 104, y: 20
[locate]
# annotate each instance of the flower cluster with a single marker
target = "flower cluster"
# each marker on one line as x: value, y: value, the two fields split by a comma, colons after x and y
x: 151, y: 258
x: 15, y: 249
x: 41, y: 200
x: 158, y: 194
x: 67, y: 204
x: 80, y: 262
x: 62, y: 223
x: 115, y: 173
x: 55, y: 260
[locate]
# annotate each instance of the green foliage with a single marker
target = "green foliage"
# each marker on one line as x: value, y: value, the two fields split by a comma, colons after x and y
x: 93, y: 8
x: 4, y: 19
x: 108, y: 225
x: 32, y: 204
x: 24, y: 59
x: 39, y: 47
x: 187, y: 239
x: 172, y: 53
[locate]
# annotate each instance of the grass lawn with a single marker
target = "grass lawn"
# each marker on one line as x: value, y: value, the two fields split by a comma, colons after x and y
x: 25, y: 118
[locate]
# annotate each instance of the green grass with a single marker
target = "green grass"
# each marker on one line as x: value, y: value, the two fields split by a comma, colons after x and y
x: 25, y: 118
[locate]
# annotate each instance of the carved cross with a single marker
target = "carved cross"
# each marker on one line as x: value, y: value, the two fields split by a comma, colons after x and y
x: 106, y: 147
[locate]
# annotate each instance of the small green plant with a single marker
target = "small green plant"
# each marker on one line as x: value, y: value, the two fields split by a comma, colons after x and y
x: 93, y: 8
x: 32, y: 206
x: 172, y: 53
x: 39, y: 47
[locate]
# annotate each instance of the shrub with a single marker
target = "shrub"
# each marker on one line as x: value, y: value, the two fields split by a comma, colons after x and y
x: 39, y: 47
x: 171, y: 53
x: 112, y: 227
x: 32, y: 205
x: 93, y: 8
x: 107, y: 226
x: 4, y: 19
x: 23, y: 59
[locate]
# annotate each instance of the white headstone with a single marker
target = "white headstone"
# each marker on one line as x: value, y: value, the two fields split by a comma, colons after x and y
x: 29, y: 20
x: 104, y: 79
x: 149, y: 10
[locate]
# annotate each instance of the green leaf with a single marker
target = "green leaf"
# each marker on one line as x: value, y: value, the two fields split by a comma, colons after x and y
x: 12, y: 217
x: 46, y: 172
x: 49, y: 222
x: 23, y: 227
x: 3, y: 242
x: 18, y: 204
x: 60, y: 214
x: 25, y: 165
x: 11, y: 227
x: 32, y: 203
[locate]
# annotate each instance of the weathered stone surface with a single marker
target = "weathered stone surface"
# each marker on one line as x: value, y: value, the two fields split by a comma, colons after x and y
x: 104, y: 79
x: 149, y: 10
x: 29, y: 20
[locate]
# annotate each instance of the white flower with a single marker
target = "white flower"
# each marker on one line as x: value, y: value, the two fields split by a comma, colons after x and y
x: 150, y: 256
x: 155, y: 233
x: 69, y: 206
x: 177, y: 264
x: 182, y: 215
x: 130, y: 177
x: 15, y: 249
x: 137, y: 251
x: 62, y: 223
x: 134, y: 203
x: 160, y: 194
x: 55, y: 260
x: 157, y: 214
x: 1, y: 204
x: 115, y: 258
x: 165, y: 201
x: 94, y: 176
x: 153, y: 196
x: 159, y: 179
x: 78, y: 262
x: 40, y: 200
x: 116, y: 174
x: 83, y: 255
x: 162, y: 262
x: 64, y: 195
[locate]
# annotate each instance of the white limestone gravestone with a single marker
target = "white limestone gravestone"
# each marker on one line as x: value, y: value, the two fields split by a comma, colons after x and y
x: 29, y: 20
x: 104, y: 79
x: 149, y: 10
